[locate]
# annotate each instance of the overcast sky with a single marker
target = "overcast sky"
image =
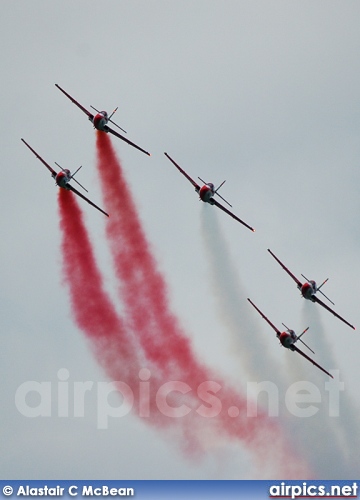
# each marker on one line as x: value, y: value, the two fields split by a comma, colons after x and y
x: 263, y: 94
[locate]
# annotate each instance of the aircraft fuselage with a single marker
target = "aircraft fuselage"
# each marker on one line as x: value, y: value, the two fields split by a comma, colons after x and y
x: 207, y: 192
x: 308, y: 290
x: 100, y: 121
x: 287, y: 338
x: 62, y: 178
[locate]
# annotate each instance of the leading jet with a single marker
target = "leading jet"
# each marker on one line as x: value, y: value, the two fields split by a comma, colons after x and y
x: 100, y: 120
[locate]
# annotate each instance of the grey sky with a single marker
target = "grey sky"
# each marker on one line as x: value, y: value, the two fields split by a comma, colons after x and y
x: 261, y: 93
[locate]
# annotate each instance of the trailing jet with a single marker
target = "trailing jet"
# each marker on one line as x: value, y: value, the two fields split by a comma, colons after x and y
x: 288, y: 339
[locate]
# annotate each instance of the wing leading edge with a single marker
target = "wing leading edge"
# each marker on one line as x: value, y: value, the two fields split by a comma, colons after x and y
x: 195, y: 184
x: 265, y: 318
x: 71, y: 188
x: 90, y: 115
x: 299, y: 284
x: 217, y: 204
x: 108, y: 129
x: 53, y: 172
x: 316, y: 299
x: 294, y: 348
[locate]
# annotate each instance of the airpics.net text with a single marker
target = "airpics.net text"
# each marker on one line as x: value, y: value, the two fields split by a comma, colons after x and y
x: 65, y: 398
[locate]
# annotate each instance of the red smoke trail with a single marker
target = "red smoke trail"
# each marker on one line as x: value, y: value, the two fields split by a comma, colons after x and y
x: 137, y: 269
x: 91, y: 306
x: 94, y: 312
x: 96, y: 316
x: 165, y: 344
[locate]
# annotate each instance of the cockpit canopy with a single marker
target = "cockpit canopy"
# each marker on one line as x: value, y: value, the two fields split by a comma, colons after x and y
x: 313, y: 283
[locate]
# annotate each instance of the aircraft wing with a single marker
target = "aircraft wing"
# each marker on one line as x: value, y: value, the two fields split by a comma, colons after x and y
x: 266, y: 319
x: 316, y: 299
x: 195, y: 184
x: 86, y: 199
x: 108, y: 129
x: 294, y: 348
x: 53, y: 172
x: 90, y: 115
x: 299, y: 284
x: 216, y: 203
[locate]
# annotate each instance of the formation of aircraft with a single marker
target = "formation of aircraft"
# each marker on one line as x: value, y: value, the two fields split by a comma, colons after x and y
x: 207, y: 192
x: 101, y: 119
x: 308, y: 290
x: 288, y: 339
x: 63, y: 178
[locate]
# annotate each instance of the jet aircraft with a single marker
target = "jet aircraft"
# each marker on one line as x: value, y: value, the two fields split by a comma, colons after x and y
x: 63, y: 178
x: 101, y: 119
x: 207, y: 192
x: 308, y: 290
x: 288, y: 339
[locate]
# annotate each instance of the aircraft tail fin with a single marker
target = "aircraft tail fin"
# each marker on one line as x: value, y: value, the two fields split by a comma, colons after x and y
x: 77, y: 182
x: 216, y: 192
x: 299, y: 338
x: 116, y: 125
x: 322, y: 293
x: 72, y: 176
